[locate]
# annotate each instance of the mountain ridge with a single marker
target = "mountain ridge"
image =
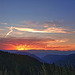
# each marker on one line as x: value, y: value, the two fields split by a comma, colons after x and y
x: 60, y: 59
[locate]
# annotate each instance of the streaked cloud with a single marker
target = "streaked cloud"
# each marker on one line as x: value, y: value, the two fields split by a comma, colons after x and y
x: 4, y: 23
x: 41, y: 23
x: 61, y: 47
x: 1, y: 29
x: 31, y: 40
x: 30, y: 23
x: 30, y: 43
x: 18, y: 33
x: 47, y: 30
x: 55, y: 41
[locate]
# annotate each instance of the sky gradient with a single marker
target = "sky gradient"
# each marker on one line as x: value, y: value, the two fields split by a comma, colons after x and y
x: 37, y: 24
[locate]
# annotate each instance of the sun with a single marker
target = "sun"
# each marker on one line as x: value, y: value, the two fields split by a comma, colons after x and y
x: 23, y: 47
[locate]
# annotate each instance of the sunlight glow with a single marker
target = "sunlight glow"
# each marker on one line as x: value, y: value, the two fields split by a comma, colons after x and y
x: 23, y: 47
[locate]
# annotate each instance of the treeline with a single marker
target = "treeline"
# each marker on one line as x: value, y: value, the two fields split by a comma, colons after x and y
x: 13, y: 64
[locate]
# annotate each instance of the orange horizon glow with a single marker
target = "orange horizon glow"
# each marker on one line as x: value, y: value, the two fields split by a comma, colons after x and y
x: 23, y: 47
x: 28, y: 47
x: 35, y: 44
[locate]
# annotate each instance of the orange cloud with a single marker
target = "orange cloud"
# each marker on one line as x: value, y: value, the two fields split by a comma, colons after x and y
x: 31, y: 43
x: 48, y: 30
x: 1, y: 29
x: 4, y: 23
x: 61, y: 47
x: 40, y: 23
x: 55, y: 30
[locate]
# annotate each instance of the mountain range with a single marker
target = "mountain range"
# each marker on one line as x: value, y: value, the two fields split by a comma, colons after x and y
x: 19, y: 64
x: 60, y: 59
x: 57, y: 57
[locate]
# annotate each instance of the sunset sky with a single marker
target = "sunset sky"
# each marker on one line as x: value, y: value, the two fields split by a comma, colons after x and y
x: 37, y: 24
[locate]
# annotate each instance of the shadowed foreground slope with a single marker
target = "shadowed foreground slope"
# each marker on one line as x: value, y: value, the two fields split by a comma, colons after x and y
x: 13, y: 64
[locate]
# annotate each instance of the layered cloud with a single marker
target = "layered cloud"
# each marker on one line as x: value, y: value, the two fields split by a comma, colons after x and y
x: 33, y: 29
x: 46, y: 23
x: 4, y: 23
x: 31, y: 43
x: 40, y: 24
x: 1, y: 29
x: 47, y: 30
x: 39, y: 27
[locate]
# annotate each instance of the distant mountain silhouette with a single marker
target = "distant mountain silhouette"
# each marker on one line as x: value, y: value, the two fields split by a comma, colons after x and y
x: 42, y: 53
x: 51, y: 58
x: 67, y: 59
x: 60, y: 59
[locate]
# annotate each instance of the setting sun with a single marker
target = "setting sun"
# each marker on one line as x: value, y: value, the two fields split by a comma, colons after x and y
x: 23, y: 47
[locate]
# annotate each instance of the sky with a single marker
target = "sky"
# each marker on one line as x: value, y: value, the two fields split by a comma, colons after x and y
x: 37, y: 24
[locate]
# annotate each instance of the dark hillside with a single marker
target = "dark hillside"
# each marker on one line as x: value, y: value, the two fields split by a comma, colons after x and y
x: 13, y: 64
x: 11, y: 61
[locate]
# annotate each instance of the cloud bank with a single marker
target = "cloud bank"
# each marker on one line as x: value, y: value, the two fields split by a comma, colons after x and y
x: 47, y: 30
x: 32, y: 43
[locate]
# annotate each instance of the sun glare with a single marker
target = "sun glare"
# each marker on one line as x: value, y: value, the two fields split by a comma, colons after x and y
x: 23, y: 47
